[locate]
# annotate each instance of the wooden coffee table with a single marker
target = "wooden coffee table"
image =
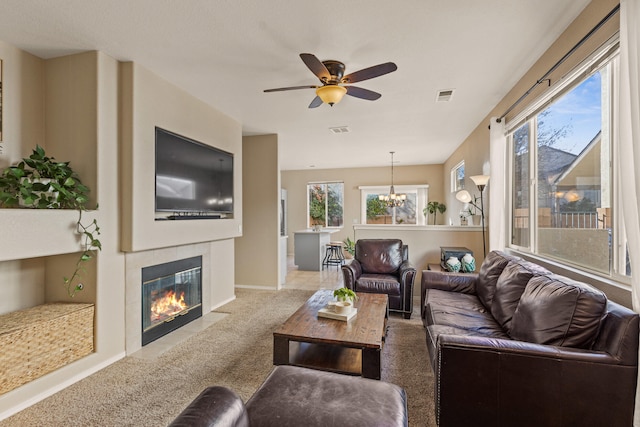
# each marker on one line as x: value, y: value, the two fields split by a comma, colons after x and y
x: 352, y: 347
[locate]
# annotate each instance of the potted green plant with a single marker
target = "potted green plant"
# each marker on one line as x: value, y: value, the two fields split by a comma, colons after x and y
x: 349, y: 246
x: 345, y: 294
x: 433, y: 208
x: 41, y: 182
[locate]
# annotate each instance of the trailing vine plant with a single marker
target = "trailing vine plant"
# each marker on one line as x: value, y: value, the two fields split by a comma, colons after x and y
x: 90, y: 244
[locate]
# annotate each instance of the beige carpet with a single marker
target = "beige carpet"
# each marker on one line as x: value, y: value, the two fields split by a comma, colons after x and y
x: 235, y: 352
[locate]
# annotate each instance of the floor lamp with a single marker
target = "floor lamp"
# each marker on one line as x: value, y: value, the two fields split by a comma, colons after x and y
x: 463, y: 195
x: 481, y: 182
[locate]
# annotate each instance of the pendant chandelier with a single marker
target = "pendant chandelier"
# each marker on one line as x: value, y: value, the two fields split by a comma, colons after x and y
x: 392, y: 200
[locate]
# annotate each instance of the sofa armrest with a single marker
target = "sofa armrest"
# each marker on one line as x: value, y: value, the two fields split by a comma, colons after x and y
x: 215, y: 406
x: 351, y: 272
x: 446, y: 281
x: 505, y: 382
x: 407, y: 273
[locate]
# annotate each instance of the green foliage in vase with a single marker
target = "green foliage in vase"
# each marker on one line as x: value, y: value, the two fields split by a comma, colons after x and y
x: 345, y: 294
x: 42, y: 182
x: 350, y: 246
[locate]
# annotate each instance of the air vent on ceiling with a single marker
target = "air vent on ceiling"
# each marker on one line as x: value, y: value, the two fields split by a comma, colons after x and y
x: 444, y: 95
x: 340, y: 129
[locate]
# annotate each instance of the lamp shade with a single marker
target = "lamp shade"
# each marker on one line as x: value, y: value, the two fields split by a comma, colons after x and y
x: 331, y: 94
x: 480, y: 179
x: 463, y: 196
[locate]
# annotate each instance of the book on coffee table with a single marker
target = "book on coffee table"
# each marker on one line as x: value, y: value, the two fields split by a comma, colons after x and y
x: 330, y: 314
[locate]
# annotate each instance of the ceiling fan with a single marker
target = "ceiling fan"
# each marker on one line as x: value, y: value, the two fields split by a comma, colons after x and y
x: 331, y: 75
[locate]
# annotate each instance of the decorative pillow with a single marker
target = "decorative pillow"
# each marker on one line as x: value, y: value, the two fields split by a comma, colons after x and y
x: 556, y: 310
x: 490, y: 270
x: 509, y: 289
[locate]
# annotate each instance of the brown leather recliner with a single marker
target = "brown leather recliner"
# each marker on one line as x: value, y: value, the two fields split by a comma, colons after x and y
x: 382, y: 266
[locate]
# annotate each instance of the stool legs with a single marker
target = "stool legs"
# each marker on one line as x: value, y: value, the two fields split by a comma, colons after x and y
x: 333, y: 256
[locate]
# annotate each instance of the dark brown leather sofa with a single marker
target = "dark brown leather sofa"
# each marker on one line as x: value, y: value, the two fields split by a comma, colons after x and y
x: 516, y: 345
x: 382, y: 266
x: 292, y: 396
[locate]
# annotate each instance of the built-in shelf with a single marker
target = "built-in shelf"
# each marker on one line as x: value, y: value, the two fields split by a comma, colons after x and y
x: 32, y: 233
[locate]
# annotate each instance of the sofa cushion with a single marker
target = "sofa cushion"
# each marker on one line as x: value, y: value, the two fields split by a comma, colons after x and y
x: 379, y: 256
x: 478, y: 323
x: 509, y: 288
x: 490, y: 270
x: 455, y: 299
x: 292, y: 396
x: 555, y: 310
x: 378, y: 283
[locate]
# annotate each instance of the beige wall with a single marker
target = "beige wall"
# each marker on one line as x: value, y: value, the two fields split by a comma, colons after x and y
x: 475, y: 149
x: 257, y: 254
x: 23, y: 128
x: 295, y: 182
x: 148, y: 101
x: 22, y: 103
x: 81, y: 96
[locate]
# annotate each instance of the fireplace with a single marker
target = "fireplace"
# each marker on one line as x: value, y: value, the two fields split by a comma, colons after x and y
x: 171, y: 297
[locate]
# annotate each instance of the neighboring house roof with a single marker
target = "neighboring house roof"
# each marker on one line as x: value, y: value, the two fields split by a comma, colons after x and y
x: 589, y: 155
x: 552, y: 162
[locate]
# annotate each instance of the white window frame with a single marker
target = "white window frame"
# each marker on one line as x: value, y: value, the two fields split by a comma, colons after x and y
x: 455, y: 185
x: 422, y: 198
x: 309, y: 225
x: 607, y: 54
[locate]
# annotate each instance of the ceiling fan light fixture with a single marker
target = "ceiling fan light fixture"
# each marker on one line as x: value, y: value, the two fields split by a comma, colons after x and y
x: 331, y: 94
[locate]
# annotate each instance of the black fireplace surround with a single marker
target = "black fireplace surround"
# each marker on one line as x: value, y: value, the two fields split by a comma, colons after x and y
x: 171, y: 297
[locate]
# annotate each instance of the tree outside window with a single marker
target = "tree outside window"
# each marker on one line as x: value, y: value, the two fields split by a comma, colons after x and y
x: 326, y: 204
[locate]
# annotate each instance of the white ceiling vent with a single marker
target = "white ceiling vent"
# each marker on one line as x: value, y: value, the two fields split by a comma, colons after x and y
x: 340, y: 129
x: 444, y: 95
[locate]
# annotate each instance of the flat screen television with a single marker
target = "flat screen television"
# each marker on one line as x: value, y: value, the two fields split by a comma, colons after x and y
x: 193, y: 180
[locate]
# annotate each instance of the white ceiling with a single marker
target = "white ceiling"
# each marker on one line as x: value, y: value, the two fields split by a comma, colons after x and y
x: 226, y: 52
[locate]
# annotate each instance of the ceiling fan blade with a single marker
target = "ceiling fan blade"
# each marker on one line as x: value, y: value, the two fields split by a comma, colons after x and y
x: 316, y: 102
x: 359, y: 92
x: 280, y: 89
x: 369, y: 73
x: 316, y: 66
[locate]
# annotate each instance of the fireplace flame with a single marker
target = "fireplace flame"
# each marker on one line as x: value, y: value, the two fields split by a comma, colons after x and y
x: 167, y: 306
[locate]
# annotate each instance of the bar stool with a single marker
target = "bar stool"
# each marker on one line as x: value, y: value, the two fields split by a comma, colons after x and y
x: 333, y: 255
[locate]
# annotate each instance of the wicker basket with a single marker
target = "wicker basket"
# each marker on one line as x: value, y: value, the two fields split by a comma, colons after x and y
x: 39, y: 340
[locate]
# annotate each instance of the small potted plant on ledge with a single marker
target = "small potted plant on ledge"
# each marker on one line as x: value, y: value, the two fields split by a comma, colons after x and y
x: 433, y: 208
x: 41, y: 182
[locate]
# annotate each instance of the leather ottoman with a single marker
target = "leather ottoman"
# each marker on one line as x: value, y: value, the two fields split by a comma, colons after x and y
x: 294, y: 396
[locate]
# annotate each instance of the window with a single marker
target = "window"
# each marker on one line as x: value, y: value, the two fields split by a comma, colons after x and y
x: 561, y: 196
x: 520, y: 196
x: 457, y: 177
x: 374, y: 211
x: 325, y: 204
